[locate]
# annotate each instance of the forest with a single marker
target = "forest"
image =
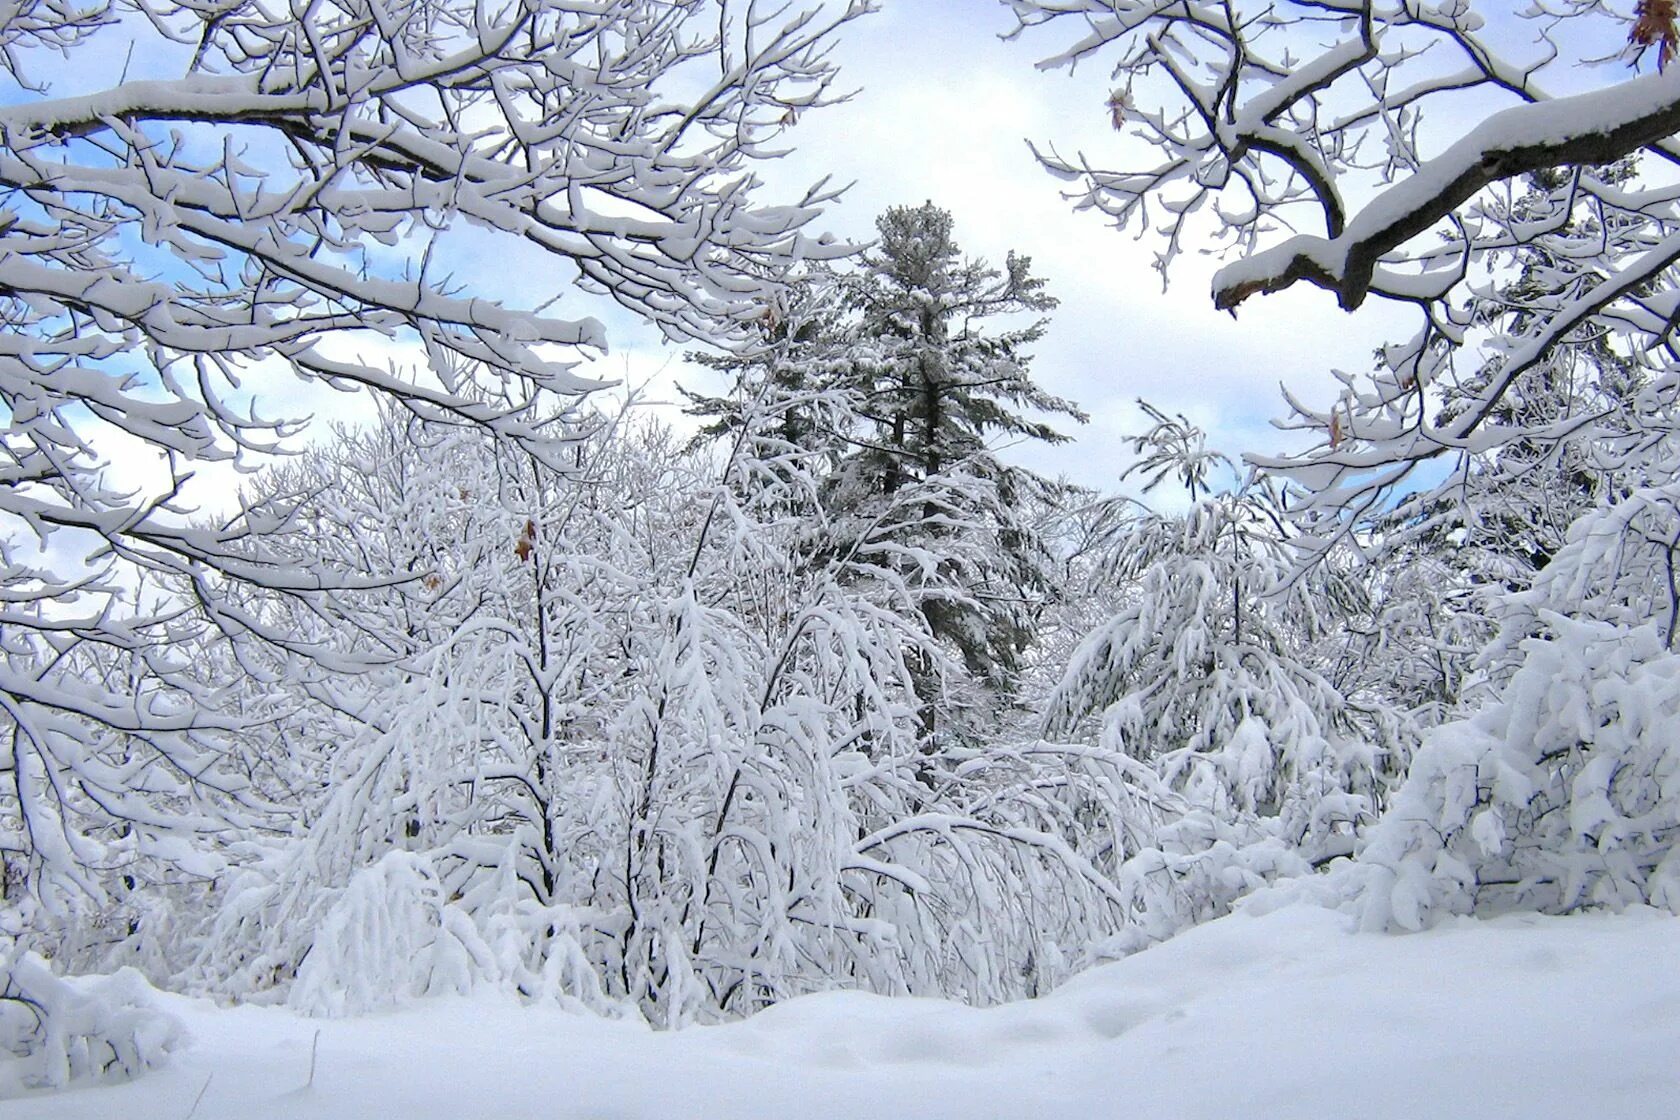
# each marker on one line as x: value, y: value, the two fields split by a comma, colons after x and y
x: 504, y: 681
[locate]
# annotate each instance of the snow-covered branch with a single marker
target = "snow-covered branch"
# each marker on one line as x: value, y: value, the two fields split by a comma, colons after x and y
x: 1598, y: 127
x: 1418, y: 154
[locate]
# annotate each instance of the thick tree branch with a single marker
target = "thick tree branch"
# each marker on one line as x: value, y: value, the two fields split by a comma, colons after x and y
x: 1590, y: 128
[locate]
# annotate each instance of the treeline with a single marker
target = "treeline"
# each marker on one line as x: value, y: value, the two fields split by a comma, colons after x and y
x: 832, y: 695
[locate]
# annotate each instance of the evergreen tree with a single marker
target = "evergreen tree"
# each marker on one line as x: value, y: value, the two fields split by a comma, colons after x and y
x: 787, y: 372
x: 937, y: 390
x: 888, y: 374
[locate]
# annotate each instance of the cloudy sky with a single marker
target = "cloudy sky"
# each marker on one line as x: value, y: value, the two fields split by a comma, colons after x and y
x: 943, y: 112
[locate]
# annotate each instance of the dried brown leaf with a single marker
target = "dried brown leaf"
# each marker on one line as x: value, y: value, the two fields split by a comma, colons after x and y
x: 1654, y: 24
x: 1118, y: 102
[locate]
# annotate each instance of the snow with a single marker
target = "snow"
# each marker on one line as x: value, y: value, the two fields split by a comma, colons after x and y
x: 1285, y: 1014
x: 1568, y: 129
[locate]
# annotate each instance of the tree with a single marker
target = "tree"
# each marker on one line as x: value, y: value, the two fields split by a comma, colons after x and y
x: 1259, y: 116
x: 937, y: 391
x: 287, y: 193
x: 918, y: 393
x: 1539, y: 256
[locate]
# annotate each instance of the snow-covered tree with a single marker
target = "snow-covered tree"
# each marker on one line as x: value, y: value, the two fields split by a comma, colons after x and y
x: 1535, y: 238
x: 971, y: 857
x: 939, y: 390
x: 1344, y: 121
x: 233, y: 203
x: 922, y: 389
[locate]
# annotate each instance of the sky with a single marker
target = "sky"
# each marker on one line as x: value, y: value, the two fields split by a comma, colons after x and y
x: 943, y: 112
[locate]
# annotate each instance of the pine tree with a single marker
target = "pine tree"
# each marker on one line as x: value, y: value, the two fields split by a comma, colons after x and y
x: 887, y: 371
x: 937, y: 391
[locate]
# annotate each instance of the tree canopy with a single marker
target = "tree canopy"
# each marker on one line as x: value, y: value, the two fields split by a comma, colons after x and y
x: 497, y: 683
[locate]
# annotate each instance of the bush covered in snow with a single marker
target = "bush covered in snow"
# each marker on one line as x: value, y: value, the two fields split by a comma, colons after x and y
x: 1563, y: 794
x: 54, y: 1030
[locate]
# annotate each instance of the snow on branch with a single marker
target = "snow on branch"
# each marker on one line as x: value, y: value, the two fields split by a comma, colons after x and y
x: 1591, y: 128
x: 1422, y: 155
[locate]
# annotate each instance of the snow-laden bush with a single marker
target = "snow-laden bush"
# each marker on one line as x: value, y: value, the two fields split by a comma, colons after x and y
x: 1173, y: 862
x: 397, y: 933
x: 1565, y: 793
x: 54, y: 1030
x: 388, y: 938
x: 1241, y: 749
x: 658, y: 745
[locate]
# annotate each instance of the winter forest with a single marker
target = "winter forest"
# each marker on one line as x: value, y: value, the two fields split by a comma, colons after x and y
x: 364, y: 645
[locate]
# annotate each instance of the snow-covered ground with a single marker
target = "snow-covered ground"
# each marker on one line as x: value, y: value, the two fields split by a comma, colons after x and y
x: 1283, y: 1015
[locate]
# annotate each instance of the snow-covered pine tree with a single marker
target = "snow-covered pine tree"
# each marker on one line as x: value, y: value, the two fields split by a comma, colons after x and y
x: 938, y: 390
x: 909, y: 464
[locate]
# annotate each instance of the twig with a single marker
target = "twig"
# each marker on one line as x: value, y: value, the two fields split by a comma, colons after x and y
x: 205, y: 1088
